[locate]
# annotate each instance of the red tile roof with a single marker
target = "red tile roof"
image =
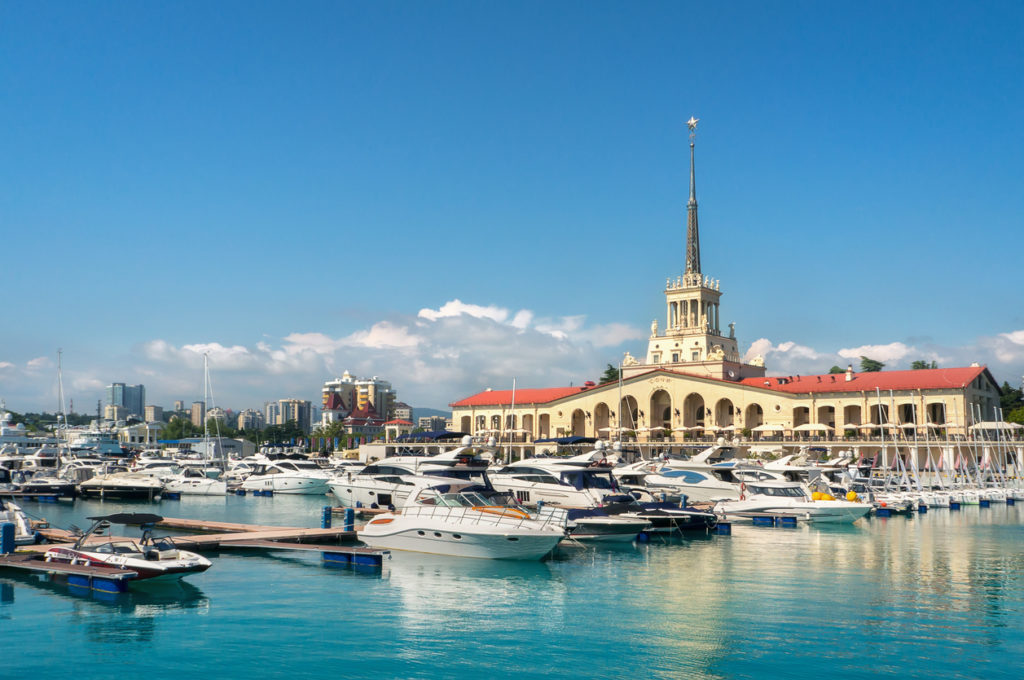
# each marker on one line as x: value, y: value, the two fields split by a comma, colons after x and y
x: 923, y: 379
x: 524, y: 396
x: 364, y: 416
x: 398, y: 421
x: 334, y: 402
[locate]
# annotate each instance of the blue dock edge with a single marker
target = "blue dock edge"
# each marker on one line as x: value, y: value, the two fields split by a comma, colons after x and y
x: 354, y: 559
x: 1011, y: 501
x: 984, y: 503
x: 922, y: 509
x: 723, y: 529
x: 97, y: 583
x: 954, y: 505
x: 883, y: 512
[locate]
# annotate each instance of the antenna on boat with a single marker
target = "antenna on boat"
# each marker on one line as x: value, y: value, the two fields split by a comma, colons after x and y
x: 513, y: 415
x: 208, y: 399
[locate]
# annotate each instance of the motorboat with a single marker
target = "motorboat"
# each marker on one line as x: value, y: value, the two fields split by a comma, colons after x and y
x: 291, y: 476
x: 122, y: 485
x: 584, y: 480
x: 664, y: 517
x: 710, y: 476
x: 592, y: 525
x: 387, y: 483
x: 453, y: 518
x: 151, y: 558
x: 24, y: 534
x: 192, y: 482
x: 791, y: 499
x: 46, y: 484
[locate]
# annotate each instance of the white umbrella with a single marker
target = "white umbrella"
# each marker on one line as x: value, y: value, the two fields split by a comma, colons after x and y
x: 731, y: 428
x: 769, y: 428
x: 851, y: 426
x: 867, y: 426
x: 991, y: 425
x: 812, y: 427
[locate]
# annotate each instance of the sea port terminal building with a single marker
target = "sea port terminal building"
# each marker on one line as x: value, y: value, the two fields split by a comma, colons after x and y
x: 693, y: 384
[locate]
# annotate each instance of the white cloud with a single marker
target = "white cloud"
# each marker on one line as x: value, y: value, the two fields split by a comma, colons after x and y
x: 440, y: 355
x: 38, y: 363
x: 459, y: 308
x: 890, y: 353
x: 383, y: 335
x: 5, y: 365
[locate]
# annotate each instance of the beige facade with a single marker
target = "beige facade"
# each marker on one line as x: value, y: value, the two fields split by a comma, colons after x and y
x: 694, y: 382
x: 662, y: 402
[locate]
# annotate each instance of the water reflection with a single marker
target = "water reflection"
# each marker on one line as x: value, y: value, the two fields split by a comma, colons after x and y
x: 117, y: 617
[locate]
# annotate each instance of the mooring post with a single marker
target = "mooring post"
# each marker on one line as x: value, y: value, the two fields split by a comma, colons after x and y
x: 325, y: 518
x: 349, y: 520
x: 6, y: 538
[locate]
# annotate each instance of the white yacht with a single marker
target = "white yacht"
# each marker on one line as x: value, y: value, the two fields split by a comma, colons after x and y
x: 709, y: 476
x: 118, y: 483
x: 789, y: 499
x: 387, y: 483
x: 23, y: 532
x: 184, y: 480
x: 578, y: 481
x: 291, y: 476
x: 453, y: 519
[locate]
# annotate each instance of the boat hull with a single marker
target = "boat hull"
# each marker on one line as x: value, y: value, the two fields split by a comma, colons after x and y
x: 481, y: 546
x: 287, y: 484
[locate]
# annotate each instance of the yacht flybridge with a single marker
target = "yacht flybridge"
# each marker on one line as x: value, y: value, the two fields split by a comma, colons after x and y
x: 387, y: 483
x: 584, y: 480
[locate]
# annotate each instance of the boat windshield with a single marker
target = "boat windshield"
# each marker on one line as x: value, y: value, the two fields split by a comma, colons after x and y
x: 788, y: 491
x: 116, y: 548
x: 588, y: 479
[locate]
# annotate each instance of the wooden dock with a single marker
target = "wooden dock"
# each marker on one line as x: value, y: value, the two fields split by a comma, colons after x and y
x: 234, y: 535
x: 102, y: 579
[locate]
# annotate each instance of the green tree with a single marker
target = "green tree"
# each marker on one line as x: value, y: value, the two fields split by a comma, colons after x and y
x: 1010, y: 398
x: 870, y: 365
x: 1016, y: 415
x: 922, y: 364
x: 179, y: 428
x: 837, y: 369
x: 332, y: 431
x: 611, y: 374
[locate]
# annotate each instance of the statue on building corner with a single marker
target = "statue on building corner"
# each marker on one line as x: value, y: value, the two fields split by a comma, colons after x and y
x: 654, y: 328
x: 732, y: 330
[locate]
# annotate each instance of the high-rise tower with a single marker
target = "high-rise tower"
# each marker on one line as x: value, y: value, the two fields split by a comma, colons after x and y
x: 692, y: 232
x: 693, y: 340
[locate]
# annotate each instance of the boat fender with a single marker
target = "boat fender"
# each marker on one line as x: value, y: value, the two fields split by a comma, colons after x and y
x: 743, y: 491
x: 852, y: 496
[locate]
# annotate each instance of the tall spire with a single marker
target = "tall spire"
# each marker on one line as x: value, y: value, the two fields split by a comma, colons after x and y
x: 692, y: 234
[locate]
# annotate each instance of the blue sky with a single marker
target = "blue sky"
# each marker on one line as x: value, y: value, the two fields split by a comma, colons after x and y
x: 301, y: 189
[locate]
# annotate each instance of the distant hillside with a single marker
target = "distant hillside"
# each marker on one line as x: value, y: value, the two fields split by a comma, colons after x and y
x: 418, y: 413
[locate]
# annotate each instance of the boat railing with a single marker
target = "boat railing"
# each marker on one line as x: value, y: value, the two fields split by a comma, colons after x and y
x: 496, y: 515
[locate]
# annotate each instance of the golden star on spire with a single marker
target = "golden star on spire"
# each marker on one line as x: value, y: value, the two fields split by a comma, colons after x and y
x: 692, y: 123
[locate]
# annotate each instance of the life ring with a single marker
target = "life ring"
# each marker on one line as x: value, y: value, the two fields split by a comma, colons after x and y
x: 603, y: 461
x: 743, y: 491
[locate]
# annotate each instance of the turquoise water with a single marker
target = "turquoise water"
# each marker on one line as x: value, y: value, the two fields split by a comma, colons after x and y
x: 937, y: 595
